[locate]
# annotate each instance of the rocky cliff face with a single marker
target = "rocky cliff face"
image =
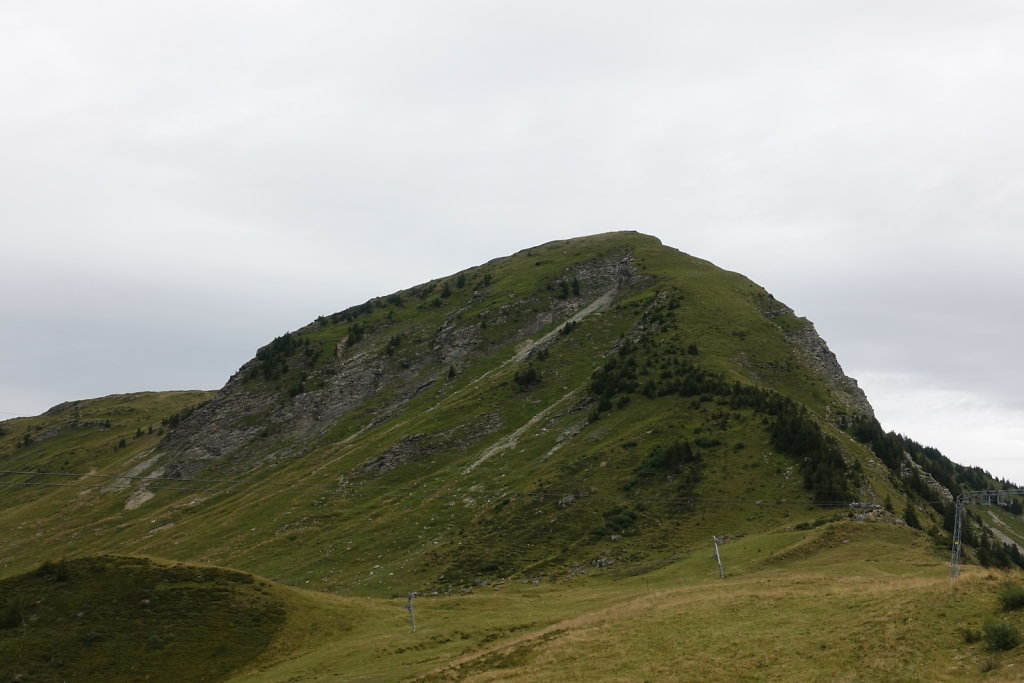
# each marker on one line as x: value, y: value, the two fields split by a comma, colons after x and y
x: 819, y: 357
x: 814, y: 353
x: 250, y: 423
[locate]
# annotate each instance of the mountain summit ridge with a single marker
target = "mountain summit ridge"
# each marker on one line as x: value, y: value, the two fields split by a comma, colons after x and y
x: 357, y: 373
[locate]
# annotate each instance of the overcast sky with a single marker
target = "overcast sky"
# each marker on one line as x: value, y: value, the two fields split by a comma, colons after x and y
x: 183, y: 181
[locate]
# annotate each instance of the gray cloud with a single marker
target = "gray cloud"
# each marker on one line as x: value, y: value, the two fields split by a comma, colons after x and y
x: 185, y: 181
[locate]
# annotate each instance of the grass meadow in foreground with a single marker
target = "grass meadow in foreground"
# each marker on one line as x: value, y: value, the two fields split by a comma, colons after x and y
x: 847, y: 602
x: 841, y: 602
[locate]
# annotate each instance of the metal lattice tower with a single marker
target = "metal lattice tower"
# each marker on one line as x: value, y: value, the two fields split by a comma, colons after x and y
x: 983, y: 497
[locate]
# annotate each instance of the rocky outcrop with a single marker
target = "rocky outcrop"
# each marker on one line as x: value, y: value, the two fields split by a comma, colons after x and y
x: 217, y: 430
x: 820, y: 358
x: 245, y: 425
x: 909, y: 469
x: 811, y: 352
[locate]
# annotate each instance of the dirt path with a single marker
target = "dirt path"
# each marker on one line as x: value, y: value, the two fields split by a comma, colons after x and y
x: 522, y: 354
x: 512, y: 439
x: 600, y: 303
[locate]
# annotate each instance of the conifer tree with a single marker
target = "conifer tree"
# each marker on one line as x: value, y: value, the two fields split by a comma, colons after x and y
x: 910, y: 517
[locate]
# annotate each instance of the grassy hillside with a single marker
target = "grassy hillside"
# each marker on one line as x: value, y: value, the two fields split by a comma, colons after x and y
x: 578, y: 407
x: 110, y: 436
x: 120, y: 618
x: 542, y: 447
x: 839, y: 602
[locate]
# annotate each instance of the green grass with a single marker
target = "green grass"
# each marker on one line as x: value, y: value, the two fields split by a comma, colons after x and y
x: 864, y: 603
x: 120, y: 618
x: 857, y: 602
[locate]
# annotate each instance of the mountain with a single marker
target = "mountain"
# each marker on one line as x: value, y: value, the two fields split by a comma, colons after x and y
x: 568, y: 421
x: 597, y: 404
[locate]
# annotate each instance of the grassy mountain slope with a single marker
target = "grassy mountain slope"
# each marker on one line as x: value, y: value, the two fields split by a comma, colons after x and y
x: 481, y: 398
x: 542, y: 447
x: 602, y: 404
x: 109, y: 437
x: 120, y: 618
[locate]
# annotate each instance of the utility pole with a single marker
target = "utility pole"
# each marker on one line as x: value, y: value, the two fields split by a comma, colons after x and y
x: 408, y: 605
x: 954, y: 562
x: 718, y: 557
x: 983, y: 497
